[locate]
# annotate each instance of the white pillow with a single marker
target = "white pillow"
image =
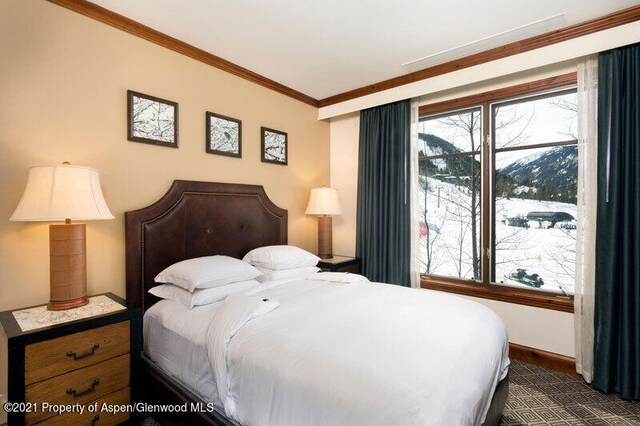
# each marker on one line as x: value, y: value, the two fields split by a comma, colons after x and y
x: 201, y: 297
x: 278, y: 258
x: 270, y: 274
x: 207, y: 272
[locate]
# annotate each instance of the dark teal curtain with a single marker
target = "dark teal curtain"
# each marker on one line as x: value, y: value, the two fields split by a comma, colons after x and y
x: 617, y: 304
x: 383, y: 238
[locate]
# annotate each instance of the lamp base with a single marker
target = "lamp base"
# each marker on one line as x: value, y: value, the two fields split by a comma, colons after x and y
x: 67, y: 266
x: 325, y: 242
x: 69, y: 304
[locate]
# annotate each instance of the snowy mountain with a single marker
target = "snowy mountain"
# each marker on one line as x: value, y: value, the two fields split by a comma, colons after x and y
x: 463, y: 166
x: 551, y: 174
x: 556, y: 169
x: 435, y: 145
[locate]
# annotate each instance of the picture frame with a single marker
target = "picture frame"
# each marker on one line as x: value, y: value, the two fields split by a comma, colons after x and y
x: 274, y: 146
x: 223, y: 135
x: 152, y: 120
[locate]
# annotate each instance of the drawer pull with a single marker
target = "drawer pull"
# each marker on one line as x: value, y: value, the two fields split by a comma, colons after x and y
x: 84, y: 355
x: 95, y: 419
x: 90, y: 389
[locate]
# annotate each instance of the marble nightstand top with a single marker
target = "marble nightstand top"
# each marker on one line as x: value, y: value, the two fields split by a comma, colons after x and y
x: 39, y: 317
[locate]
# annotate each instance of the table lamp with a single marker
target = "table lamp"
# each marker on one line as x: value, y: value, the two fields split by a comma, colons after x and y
x: 324, y: 202
x: 63, y: 193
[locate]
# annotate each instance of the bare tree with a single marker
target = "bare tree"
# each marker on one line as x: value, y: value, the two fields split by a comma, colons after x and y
x: 224, y: 135
x: 470, y: 125
x: 153, y: 120
x: 571, y: 106
x: 430, y: 240
x: 467, y: 125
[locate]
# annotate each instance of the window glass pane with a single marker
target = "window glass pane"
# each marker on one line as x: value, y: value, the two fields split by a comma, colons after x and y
x: 453, y: 133
x: 449, y: 215
x: 535, y: 215
x: 550, y: 119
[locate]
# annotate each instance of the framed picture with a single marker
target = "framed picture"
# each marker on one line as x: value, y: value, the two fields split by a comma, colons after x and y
x: 274, y: 146
x: 224, y: 135
x: 152, y: 120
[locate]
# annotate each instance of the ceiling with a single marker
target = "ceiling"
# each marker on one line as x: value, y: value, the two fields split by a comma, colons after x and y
x: 323, y: 48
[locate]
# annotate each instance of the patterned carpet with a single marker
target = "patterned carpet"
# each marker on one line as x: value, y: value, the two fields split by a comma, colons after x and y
x: 539, y: 396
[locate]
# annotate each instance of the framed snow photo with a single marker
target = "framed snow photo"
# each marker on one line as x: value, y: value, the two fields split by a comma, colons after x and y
x: 274, y: 146
x: 224, y: 135
x: 152, y: 120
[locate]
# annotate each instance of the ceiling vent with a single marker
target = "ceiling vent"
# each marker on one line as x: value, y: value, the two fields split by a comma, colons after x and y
x: 515, y: 34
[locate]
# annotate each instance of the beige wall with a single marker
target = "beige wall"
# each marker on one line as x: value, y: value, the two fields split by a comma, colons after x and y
x: 63, y: 84
x: 344, y: 177
x: 535, y: 327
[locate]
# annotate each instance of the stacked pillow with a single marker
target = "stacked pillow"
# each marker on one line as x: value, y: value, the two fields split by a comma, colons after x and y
x: 204, y: 280
x: 280, y: 262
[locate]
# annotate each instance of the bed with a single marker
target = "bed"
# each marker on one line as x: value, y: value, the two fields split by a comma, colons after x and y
x: 196, y: 219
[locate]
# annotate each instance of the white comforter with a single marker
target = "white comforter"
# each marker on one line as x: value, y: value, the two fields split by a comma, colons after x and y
x: 323, y: 353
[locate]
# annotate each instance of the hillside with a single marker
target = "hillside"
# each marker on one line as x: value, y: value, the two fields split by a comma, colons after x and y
x: 455, y: 166
x: 555, y: 168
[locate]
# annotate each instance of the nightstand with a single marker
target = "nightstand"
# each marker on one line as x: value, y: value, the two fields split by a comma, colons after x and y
x: 82, y: 356
x: 340, y: 264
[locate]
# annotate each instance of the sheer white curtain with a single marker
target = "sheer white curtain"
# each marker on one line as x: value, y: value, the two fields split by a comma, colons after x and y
x: 587, y: 207
x: 415, y: 226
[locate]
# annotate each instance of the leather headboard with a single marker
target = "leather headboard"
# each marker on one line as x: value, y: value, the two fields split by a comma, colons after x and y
x: 196, y: 219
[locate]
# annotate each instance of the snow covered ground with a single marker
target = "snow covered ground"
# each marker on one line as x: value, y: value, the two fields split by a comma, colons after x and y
x: 550, y: 253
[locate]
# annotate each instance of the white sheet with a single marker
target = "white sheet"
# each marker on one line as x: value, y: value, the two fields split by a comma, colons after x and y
x: 361, y: 354
x: 174, y: 338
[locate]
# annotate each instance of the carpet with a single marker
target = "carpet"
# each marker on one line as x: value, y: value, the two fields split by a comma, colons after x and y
x: 539, y: 396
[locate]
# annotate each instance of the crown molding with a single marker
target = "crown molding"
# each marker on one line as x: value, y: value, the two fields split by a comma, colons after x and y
x: 615, y: 19
x: 495, y: 95
x: 130, y: 26
x: 135, y: 28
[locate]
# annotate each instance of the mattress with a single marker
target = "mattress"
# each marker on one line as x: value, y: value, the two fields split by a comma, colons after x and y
x: 314, y: 352
x: 279, y: 363
x: 174, y: 339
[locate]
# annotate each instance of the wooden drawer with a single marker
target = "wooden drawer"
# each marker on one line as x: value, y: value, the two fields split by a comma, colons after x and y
x: 57, y: 356
x: 120, y: 397
x: 89, y: 383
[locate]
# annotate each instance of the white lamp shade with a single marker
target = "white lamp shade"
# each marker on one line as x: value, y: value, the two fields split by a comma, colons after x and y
x: 57, y: 193
x: 324, y: 201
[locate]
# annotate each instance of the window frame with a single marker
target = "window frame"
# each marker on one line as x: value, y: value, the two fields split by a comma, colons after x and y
x: 486, y: 101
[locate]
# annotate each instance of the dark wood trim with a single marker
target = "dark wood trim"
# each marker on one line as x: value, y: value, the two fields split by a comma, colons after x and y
x: 501, y: 293
x: 131, y: 137
x: 123, y: 23
x: 485, y: 288
x: 543, y: 93
x: 546, y: 359
x: 207, y: 118
x: 286, y: 146
x: 524, y: 89
x: 614, y: 19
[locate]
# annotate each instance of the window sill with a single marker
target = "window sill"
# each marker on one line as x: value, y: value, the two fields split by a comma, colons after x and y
x: 500, y: 293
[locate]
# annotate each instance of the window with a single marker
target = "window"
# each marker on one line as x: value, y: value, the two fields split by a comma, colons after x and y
x: 497, y: 192
x: 450, y: 169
